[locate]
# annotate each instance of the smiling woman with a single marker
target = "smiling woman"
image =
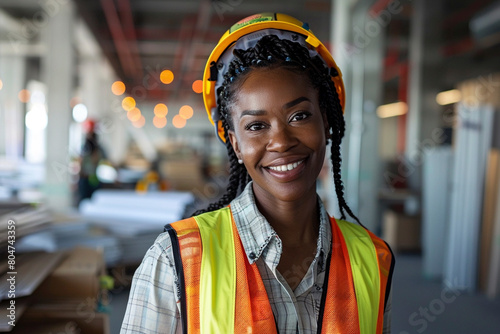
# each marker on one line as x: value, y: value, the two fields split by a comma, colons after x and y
x: 274, y: 114
x: 267, y: 257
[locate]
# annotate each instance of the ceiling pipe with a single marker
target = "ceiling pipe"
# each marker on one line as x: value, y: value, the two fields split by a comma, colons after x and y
x: 378, y: 6
x: 392, y: 63
x: 202, y: 23
x: 463, y: 15
x: 160, y: 35
x: 184, y: 38
x: 130, y: 34
x: 122, y: 48
x: 402, y: 96
x: 217, y: 27
x: 459, y: 47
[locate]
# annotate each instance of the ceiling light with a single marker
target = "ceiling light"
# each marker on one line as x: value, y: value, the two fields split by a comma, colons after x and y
x: 178, y: 121
x: 392, y: 109
x: 134, y: 114
x: 166, y: 76
x: 161, y: 110
x: 80, y: 112
x: 159, y: 122
x: 140, y: 122
x: 186, y: 112
x: 118, y: 88
x: 449, y: 97
x: 128, y: 103
x: 197, y: 86
x: 24, y: 95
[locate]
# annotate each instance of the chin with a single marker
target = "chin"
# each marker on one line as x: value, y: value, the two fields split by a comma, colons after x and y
x: 288, y: 192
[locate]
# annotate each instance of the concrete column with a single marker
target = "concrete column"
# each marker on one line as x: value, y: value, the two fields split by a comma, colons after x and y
x: 348, y: 54
x: 424, y: 114
x: 113, y: 121
x: 361, y: 40
x: 340, y: 25
x: 12, y: 111
x: 414, y: 117
x: 370, y: 174
x: 96, y: 76
x: 57, y: 73
x: 89, y: 73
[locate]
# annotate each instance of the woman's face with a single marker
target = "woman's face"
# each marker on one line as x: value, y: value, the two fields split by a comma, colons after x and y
x: 279, y: 132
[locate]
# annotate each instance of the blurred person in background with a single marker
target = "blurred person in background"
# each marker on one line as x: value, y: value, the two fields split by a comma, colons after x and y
x: 90, y: 156
x: 267, y: 257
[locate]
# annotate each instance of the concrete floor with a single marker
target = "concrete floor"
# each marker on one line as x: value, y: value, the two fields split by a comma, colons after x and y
x: 423, y: 306
x: 418, y: 306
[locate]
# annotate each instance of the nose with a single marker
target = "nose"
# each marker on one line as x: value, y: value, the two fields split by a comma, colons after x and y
x: 281, y: 139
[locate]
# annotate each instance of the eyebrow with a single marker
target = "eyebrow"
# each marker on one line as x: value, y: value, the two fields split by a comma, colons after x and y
x: 287, y: 105
x: 295, y: 102
x: 252, y: 113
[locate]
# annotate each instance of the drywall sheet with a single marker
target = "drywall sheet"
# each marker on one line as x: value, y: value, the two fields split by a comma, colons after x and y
x: 472, y: 144
x: 437, y: 172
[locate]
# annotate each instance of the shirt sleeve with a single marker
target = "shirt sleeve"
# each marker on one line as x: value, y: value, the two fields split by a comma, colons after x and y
x: 153, y: 302
x: 388, y: 315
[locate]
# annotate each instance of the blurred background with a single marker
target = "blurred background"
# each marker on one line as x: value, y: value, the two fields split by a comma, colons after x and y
x: 104, y: 139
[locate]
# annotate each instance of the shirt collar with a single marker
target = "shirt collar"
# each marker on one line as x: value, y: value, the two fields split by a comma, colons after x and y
x: 256, y: 232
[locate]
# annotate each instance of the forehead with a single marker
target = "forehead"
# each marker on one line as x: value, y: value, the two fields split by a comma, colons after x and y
x: 264, y: 88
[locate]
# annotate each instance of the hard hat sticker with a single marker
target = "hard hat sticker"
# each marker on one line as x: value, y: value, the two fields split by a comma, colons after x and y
x: 252, y: 19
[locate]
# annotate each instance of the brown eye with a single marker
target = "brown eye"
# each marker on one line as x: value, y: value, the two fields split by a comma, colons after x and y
x: 300, y: 116
x: 256, y: 126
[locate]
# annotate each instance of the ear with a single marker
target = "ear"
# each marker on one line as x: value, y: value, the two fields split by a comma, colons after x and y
x: 234, y: 142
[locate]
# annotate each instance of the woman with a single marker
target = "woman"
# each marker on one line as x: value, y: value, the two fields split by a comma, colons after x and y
x: 267, y: 258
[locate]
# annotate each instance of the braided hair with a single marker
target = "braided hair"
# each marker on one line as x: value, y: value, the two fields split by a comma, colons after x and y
x: 272, y: 52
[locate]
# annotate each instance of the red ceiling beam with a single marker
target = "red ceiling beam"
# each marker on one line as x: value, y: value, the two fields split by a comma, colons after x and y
x: 320, y: 6
x: 185, y: 36
x: 127, y: 20
x: 203, y: 20
x: 118, y: 36
x: 121, y: 45
x: 464, y: 14
x: 459, y: 47
x: 159, y: 34
x: 378, y: 6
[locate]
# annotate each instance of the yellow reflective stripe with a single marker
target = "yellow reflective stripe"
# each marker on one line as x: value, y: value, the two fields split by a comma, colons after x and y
x: 365, y: 273
x: 218, y: 272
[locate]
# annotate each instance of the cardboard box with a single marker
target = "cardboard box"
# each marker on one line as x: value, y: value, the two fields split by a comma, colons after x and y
x: 489, y: 209
x: 32, y: 269
x: 77, y: 277
x: 40, y: 321
x: 66, y: 301
x: 402, y: 232
x: 183, y: 174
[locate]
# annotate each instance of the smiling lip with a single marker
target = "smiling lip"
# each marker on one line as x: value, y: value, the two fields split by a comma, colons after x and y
x: 283, y: 173
x: 286, y: 167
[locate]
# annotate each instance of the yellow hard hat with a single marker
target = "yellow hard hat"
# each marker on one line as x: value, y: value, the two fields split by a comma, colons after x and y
x: 242, y: 35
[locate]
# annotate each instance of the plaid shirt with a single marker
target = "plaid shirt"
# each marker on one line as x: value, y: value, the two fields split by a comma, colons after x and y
x: 153, y: 305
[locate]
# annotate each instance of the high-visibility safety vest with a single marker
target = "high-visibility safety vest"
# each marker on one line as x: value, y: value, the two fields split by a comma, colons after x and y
x: 221, y: 292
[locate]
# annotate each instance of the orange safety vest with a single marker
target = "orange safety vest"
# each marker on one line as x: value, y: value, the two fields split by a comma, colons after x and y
x: 357, y: 280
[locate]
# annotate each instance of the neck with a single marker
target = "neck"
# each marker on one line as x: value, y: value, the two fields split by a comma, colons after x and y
x: 295, y: 222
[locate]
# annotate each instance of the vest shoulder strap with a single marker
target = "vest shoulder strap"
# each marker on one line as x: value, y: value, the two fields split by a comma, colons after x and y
x: 212, y: 259
x: 372, y: 264
x: 218, y: 270
x: 180, y: 273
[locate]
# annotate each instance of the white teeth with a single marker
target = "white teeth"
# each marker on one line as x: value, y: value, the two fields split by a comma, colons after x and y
x: 284, y: 168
